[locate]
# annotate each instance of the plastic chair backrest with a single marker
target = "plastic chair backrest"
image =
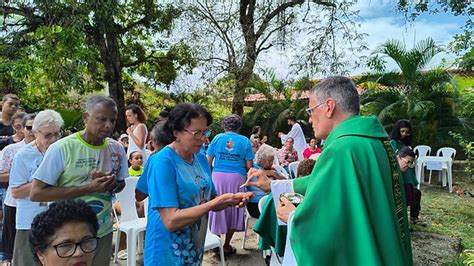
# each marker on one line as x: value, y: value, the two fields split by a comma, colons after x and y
x: 126, y: 198
x: 422, y: 150
x: 293, y: 168
x: 281, y: 171
x: 446, y: 152
x: 261, y: 202
x: 275, y: 160
x: 145, y: 206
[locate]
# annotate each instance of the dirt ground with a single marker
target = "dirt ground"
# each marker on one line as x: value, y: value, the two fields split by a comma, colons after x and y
x: 428, y: 249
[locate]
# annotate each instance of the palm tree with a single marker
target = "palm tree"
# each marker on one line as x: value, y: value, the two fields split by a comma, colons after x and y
x: 411, y: 62
x: 427, y: 99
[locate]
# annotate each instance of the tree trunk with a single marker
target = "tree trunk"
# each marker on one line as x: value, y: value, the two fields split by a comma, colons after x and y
x: 110, y: 55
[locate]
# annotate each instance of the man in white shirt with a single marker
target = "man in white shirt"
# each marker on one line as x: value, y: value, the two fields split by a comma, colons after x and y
x: 297, y: 134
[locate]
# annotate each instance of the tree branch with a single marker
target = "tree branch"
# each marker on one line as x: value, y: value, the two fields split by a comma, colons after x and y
x: 282, y: 8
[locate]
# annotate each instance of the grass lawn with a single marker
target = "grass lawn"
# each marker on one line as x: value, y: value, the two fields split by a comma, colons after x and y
x: 448, y: 213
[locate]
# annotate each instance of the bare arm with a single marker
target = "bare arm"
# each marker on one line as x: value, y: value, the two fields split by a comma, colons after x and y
x: 274, y: 174
x: 248, y: 164
x: 139, y: 196
x: 41, y: 191
x: 174, y: 218
x: 22, y: 191
x: 139, y: 139
x: 4, y: 177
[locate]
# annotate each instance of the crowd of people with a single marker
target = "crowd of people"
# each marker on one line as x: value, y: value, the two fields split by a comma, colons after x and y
x: 58, y: 193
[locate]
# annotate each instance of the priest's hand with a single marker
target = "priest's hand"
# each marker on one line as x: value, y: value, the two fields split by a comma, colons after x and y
x: 285, y: 208
x: 262, y: 182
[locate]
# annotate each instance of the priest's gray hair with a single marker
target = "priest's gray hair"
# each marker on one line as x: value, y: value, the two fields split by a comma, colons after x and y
x: 342, y: 90
x: 100, y: 99
x: 47, y: 118
x: 263, y: 153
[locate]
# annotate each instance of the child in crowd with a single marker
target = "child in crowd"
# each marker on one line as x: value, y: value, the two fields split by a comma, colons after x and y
x: 136, y: 164
x: 305, y: 167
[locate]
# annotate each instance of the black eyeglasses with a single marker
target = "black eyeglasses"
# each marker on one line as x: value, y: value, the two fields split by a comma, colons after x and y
x: 198, y: 134
x: 67, y: 249
x: 29, y: 128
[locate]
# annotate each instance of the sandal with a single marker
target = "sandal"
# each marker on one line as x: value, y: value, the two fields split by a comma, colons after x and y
x: 231, y: 251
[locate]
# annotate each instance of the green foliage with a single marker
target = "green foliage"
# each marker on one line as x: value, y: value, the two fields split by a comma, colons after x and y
x: 55, y: 52
x: 462, y: 43
x: 410, y: 62
x: 271, y: 115
x: 468, y: 148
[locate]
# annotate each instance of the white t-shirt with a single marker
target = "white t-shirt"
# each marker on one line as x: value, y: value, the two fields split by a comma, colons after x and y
x: 69, y: 162
x: 6, y: 165
x: 25, y: 163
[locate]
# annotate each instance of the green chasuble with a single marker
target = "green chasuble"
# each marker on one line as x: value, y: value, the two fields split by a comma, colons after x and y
x: 351, y: 214
x: 409, y: 175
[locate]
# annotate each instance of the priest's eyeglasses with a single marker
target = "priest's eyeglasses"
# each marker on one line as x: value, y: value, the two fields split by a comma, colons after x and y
x: 67, y: 249
x: 198, y: 134
x: 311, y: 109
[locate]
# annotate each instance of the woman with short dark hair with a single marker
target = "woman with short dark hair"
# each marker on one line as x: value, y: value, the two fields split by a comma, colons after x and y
x: 65, y: 234
x: 181, y: 192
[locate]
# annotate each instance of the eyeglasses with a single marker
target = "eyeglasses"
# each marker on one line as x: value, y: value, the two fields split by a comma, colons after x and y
x: 67, y: 249
x: 311, y: 109
x: 410, y: 164
x: 17, y: 127
x: 29, y: 128
x: 198, y: 134
x: 50, y: 135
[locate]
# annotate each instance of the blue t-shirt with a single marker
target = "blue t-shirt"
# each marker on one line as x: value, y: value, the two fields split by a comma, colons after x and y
x: 257, y: 192
x: 230, y: 151
x: 175, y: 183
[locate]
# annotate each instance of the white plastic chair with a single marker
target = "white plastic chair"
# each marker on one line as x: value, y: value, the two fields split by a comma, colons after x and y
x: 129, y: 223
x: 422, y: 151
x: 261, y: 202
x: 213, y: 241
x: 281, y: 171
x: 293, y: 169
x: 445, y: 152
x: 248, y: 216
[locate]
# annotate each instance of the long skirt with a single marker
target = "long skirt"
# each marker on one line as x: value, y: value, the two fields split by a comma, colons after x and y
x: 230, y: 218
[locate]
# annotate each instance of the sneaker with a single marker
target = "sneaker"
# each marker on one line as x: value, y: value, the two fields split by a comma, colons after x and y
x: 122, y: 254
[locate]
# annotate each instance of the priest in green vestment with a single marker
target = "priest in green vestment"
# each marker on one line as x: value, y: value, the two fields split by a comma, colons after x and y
x: 354, y: 211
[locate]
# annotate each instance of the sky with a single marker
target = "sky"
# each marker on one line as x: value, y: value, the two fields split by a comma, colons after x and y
x: 380, y: 21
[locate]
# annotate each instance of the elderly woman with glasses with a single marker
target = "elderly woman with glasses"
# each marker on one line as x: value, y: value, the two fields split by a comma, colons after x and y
x: 46, y: 128
x: 406, y: 161
x: 65, y: 234
x: 287, y: 154
x: 181, y: 192
x: 231, y: 156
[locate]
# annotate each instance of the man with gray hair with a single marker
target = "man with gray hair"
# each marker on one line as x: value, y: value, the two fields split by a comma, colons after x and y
x: 353, y: 212
x: 82, y: 166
